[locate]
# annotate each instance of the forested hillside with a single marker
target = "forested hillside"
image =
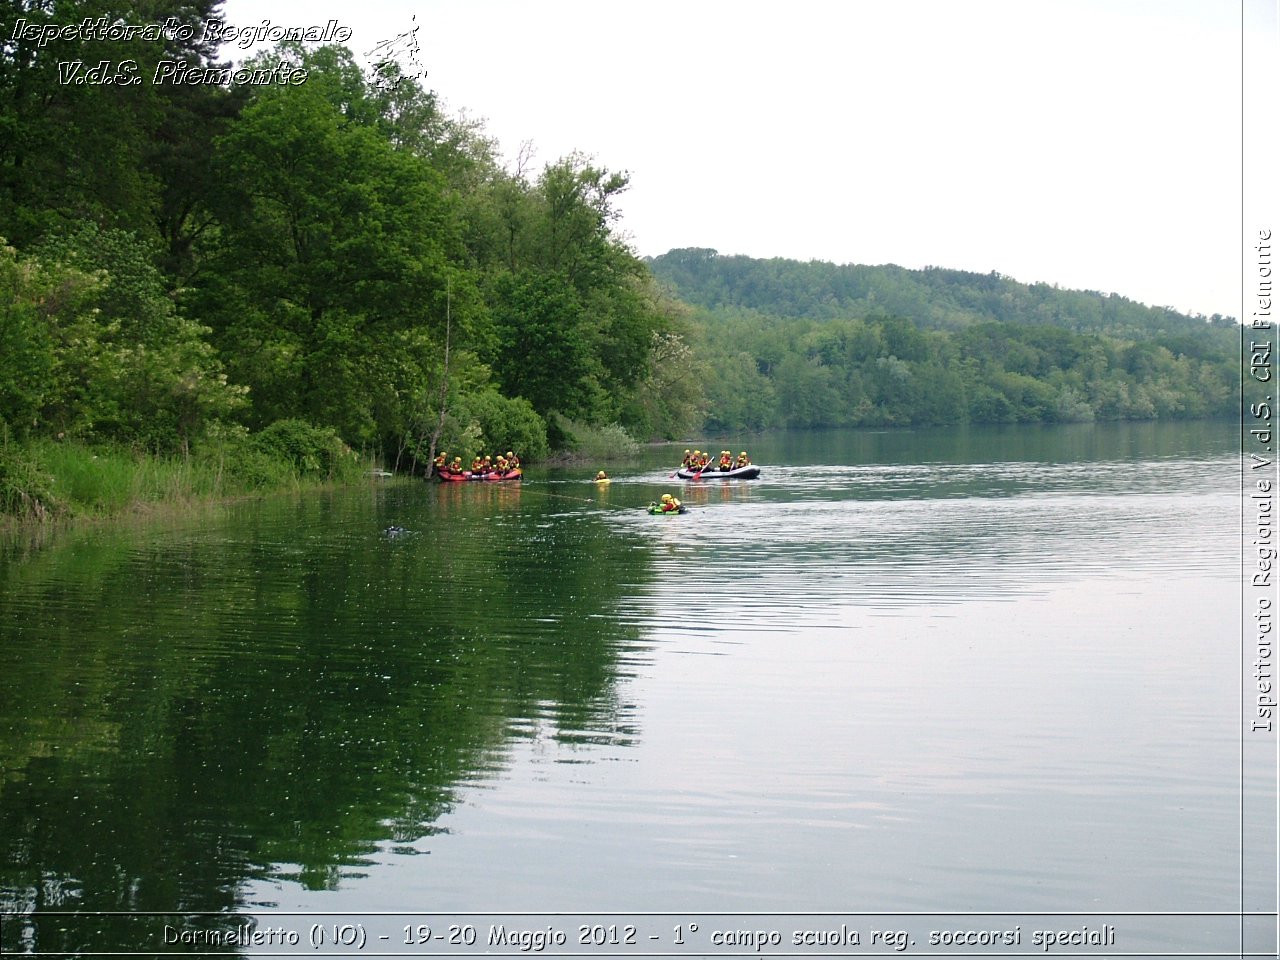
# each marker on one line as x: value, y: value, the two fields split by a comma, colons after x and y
x: 932, y: 297
x: 817, y: 344
x: 186, y: 264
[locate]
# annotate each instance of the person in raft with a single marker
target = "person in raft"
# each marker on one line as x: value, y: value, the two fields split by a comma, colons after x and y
x: 669, y: 503
x: 743, y: 460
x: 688, y: 459
x: 513, y: 462
x: 726, y: 460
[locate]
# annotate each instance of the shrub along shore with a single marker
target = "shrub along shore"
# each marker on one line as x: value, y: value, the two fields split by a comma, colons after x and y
x: 47, y: 480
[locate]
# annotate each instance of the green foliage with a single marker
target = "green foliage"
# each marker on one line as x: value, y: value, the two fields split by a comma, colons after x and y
x: 825, y: 369
x: 543, y: 351
x: 507, y: 424
x: 310, y: 450
x: 485, y: 422
x: 670, y: 401
x: 739, y: 396
x: 930, y: 298
x: 236, y: 461
x: 93, y: 479
x: 43, y: 478
x: 26, y: 491
x: 44, y: 311
x: 73, y: 148
x: 596, y: 443
x: 331, y: 282
x: 199, y: 256
x: 575, y: 315
x: 96, y: 348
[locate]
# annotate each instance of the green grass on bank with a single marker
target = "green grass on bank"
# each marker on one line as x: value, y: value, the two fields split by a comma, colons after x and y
x: 587, y: 442
x: 44, y: 480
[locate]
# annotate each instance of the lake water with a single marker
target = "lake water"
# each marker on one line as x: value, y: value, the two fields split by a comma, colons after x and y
x: 952, y: 681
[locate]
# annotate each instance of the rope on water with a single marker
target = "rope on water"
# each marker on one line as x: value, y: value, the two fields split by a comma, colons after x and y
x: 566, y: 496
x: 524, y: 491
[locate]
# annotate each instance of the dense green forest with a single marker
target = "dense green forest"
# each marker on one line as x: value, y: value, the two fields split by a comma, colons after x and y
x: 246, y: 274
x: 188, y: 267
x: 787, y: 343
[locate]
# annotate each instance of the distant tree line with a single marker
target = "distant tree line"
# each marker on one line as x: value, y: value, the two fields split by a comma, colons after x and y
x: 786, y: 343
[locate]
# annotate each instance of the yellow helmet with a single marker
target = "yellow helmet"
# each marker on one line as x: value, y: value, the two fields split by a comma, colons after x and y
x: 510, y: 454
x: 666, y: 496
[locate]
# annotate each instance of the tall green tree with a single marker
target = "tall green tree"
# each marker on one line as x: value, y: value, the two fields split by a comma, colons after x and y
x: 332, y: 279
x: 543, y: 352
x: 104, y: 147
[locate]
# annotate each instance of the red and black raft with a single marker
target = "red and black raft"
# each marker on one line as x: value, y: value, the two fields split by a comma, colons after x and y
x: 467, y: 475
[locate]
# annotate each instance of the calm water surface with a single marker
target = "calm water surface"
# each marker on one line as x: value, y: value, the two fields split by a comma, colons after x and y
x: 993, y: 670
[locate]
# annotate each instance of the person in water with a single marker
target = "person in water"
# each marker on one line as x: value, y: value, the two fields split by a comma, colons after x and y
x: 601, y: 477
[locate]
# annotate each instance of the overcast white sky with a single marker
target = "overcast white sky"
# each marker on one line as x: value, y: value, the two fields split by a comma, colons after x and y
x: 1095, y: 144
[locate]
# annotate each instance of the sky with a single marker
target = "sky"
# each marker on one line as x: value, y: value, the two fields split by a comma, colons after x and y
x: 1093, y: 144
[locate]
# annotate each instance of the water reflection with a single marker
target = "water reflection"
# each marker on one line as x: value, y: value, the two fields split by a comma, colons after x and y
x: 805, y: 688
x: 278, y: 695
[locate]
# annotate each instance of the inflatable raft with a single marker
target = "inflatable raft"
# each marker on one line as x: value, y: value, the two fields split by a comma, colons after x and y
x: 656, y: 509
x: 712, y: 472
x: 468, y: 475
